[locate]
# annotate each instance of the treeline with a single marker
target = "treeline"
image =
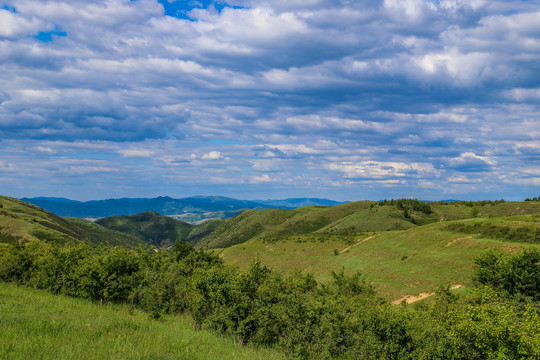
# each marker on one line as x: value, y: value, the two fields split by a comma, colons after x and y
x: 533, y: 199
x: 529, y: 234
x: 407, y: 205
x: 471, y: 203
x: 342, y: 318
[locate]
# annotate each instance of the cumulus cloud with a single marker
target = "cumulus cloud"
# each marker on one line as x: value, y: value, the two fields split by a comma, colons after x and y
x: 264, y: 178
x: 470, y: 162
x: 321, y: 92
x: 136, y: 152
x: 13, y: 25
x: 383, y: 170
x: 212, y: 155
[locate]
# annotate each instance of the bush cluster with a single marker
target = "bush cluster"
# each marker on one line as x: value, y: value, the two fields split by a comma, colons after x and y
x: 471, y: 203
x: 529, y: 234
x: 342, y: 318
x: 408, y: 205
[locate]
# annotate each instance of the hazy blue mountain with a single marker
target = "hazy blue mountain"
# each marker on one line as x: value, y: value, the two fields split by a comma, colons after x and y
x: 55, y: 199
x: 194, y: 208
x: 163, y: 205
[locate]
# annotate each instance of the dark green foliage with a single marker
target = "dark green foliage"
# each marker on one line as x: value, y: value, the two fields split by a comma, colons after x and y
x: 150, y: 227
x: 408, y: 204
x: 410, y: 210
x: 528, y: 234
x: 471, y: 203
x: 516, y: 275
x: 52, y: 237
x: 482, y: 325
x: 181, y: 249
x: 9, y: 238
x: 198, y: 232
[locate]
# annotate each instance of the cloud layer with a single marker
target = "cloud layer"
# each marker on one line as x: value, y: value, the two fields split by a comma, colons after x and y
x: 252, y: 98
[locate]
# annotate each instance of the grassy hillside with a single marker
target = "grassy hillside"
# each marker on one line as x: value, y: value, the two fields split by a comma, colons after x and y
x: 278, y: 223
x: 20, y: 221
x: 377, y: 218
x: 202, y: 230
x: 353, y: 219
x: 398, y: 262
x: 38, y: 325
x: 158, y: 230
x: 150, y: 227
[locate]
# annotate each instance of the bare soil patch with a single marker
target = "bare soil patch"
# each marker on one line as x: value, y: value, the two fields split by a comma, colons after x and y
x: 358, y: 243
x: 460, y: 238
x: 409, y: 299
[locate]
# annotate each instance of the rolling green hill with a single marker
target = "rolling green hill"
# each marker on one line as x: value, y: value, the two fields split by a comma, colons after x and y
x: 158, y: 230
x: 278, y: 223
x: 403, y: 247
x: 352, y: 219
x: 21, y: 221
x: 150, y: 227
x: 388, y: 245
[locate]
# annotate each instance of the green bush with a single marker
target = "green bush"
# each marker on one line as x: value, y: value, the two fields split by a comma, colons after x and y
x: 342, y: 318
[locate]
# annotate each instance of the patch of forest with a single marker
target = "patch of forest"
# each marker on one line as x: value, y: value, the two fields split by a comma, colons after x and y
x: 520, y: 233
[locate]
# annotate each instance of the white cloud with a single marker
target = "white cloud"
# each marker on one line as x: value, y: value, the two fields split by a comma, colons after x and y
x: 383, y: 170
x: 533, y: 181
x: 136, y: 153
x: 520, y: 94
x: 44, y: 149
x: 13, y: 25
x: 266, y: 165
x: 264, y: 178
x: 470, y: 162
x: 212, y: 155
x: 412, y: 10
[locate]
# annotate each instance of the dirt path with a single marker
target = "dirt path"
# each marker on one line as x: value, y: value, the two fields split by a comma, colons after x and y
x: 460, y: 238
x: 358, y: 243
x: 409, y: 299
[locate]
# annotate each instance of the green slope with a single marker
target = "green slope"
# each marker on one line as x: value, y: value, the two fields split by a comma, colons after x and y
x: 20, y: 221
x: 352, y: 219
x: 39, y: 325
x: 399, y: 262
x: 202, y: 230
x: 278, y: 223
x: 150, y: 227
x: 378, y: 218
x: 158, y: 230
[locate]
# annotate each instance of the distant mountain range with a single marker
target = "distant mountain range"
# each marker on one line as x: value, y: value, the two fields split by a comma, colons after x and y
x: 191, y: 209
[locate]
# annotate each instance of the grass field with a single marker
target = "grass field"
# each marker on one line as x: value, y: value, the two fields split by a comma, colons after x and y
x: 349, y: 218
x: 37, y: 325
x: 397, y: 263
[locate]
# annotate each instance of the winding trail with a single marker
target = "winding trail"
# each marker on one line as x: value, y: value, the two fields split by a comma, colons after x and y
x: 460, y: 238
x: 358, y: 243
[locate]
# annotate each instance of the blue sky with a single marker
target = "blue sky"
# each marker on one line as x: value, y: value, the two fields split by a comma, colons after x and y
x: 251, y: 99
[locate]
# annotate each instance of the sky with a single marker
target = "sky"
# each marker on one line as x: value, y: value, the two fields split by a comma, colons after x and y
x: 256, y: 99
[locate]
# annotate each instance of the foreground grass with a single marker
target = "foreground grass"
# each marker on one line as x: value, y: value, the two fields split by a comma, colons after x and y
x: 37, y: 325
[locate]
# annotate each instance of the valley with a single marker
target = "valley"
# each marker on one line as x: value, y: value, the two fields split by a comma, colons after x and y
x: 403, y: 247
